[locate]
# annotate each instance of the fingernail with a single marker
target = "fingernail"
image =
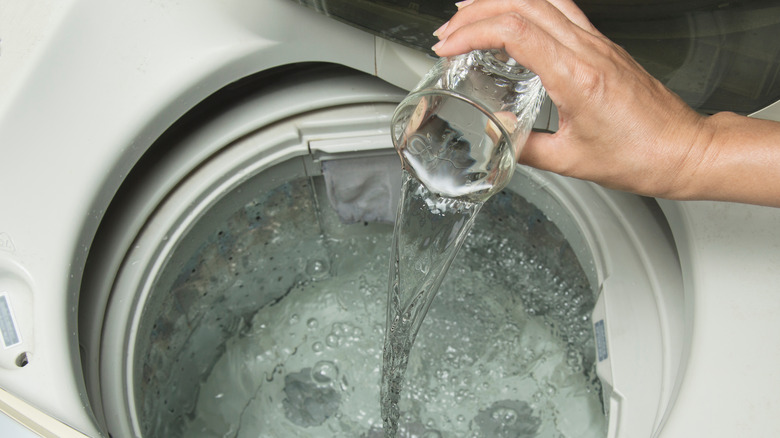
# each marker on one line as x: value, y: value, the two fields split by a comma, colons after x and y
x: 439, y: 31
x: 438, y: 45
x: 464, y: 3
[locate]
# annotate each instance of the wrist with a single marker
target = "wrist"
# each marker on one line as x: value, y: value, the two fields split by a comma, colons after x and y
x: 691, y: 163
x: 734, y: 159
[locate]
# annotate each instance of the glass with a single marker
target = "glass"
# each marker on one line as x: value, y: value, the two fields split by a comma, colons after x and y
x: 718, y: 56
x: 459, y: 131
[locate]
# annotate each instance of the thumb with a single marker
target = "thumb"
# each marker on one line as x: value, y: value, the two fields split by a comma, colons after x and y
x: 545, y: 151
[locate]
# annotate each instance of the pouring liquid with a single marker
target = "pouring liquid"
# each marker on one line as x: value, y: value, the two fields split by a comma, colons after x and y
x: 429, y: 231
x: 451, y: 165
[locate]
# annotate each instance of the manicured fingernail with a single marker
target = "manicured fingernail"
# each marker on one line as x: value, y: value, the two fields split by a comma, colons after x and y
x: 438, y: 45
x: 440, y: 29
x: 464, y: 3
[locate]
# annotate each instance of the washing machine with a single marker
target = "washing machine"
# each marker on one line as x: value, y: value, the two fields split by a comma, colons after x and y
x: 136, y: 138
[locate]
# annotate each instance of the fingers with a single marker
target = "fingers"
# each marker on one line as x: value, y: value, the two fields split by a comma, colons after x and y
x: 539, y: 34
x: 561, y: 19
x: 575, y: 14
x: 523, y: 39
x: 545, y: 151
x: 552, y: 38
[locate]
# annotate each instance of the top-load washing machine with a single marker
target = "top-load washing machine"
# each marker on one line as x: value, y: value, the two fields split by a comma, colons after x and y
x: 151, y: 152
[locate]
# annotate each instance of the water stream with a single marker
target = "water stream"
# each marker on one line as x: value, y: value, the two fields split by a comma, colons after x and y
x: 429, y: 231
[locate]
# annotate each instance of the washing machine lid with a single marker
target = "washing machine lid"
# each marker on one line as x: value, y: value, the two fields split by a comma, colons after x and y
x: 718, y: 56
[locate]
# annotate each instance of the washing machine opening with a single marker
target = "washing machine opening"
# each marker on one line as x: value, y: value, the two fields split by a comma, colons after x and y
x: 250, y: 300
x: 268, y: 320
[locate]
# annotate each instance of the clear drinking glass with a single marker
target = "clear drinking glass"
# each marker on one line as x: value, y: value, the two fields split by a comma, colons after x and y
x: 460, y: 129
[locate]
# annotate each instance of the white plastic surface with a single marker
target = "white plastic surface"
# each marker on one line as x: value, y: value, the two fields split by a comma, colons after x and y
x: 401, y: 65
x: 10, y: 428
x: 19, y: 419
x: 24, y: 28
x: 102, y: 84
x: 17, y: 311
x: 730, y: 254
x: 772, y: 112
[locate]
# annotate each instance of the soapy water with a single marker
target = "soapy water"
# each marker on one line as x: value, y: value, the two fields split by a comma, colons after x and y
x: 505, y: 350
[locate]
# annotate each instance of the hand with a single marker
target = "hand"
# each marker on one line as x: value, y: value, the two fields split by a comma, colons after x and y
x: 618, y: 126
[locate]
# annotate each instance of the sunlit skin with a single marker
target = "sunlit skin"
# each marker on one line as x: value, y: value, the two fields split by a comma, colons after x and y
x: 618, y: 126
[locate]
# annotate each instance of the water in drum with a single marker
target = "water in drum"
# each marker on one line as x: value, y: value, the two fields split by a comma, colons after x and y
x: 467, y: 394
x: 295, y: 318
x: 454, y: 149
x: 429, y: 230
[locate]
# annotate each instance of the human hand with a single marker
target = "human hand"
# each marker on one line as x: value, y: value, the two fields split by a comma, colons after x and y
x: 618, y: 126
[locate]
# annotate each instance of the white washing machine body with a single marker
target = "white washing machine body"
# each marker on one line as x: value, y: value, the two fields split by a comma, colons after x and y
x: 688, y: 346
x: 84, y: 95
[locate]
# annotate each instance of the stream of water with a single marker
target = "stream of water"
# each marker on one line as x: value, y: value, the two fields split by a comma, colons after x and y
x: 429, y: 231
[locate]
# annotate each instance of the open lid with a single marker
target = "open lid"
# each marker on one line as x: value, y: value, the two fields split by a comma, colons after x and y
x: 718, y: 56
